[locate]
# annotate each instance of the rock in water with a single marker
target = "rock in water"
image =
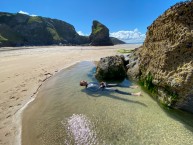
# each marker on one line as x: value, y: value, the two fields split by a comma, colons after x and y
x: 166, y: 57
x: 111, y: 67
x: 99, y: 35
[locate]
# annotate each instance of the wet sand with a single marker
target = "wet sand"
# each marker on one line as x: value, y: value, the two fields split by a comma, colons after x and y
x: 23, y: 71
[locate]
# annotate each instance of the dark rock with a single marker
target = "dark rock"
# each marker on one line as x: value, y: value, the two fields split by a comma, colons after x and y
x: 116, y: 41
x: 125, y: 59
x: 133, y: 71
x: 19, y: 29
x: 111, y: 67
x: 99, y: 35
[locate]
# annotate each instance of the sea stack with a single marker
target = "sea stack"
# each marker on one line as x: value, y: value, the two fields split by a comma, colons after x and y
x: 99, y: 35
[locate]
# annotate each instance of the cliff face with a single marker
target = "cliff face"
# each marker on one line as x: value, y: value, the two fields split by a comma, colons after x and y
x: 166, y: 58
x: 19, y: 29
x: 99, y: 35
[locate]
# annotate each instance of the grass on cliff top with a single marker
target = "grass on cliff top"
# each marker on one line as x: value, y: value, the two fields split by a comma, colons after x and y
x: 124, y: 51
x: 34, y: 19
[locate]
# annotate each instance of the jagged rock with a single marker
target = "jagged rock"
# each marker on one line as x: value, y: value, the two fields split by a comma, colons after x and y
x: 111, y: 67
x: 99, y: 35
x: 165, y: 59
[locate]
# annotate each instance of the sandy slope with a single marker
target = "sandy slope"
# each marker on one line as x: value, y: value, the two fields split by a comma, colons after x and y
x: 23, y: 70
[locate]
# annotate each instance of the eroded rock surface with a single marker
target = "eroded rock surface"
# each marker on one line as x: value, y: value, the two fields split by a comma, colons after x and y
x: 166, y: 57
x: 111, y: 67
x: 99, y: 35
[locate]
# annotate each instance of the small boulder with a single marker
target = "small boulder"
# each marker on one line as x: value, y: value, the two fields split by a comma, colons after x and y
x: 111, y: 67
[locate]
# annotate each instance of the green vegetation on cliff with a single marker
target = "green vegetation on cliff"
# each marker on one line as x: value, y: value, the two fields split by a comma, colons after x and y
x: 54, y: 34
x: 20, y: 29
x: 2, y: 39
x: 35, y: 19
x: 98, y: 28
x: 99, y: 35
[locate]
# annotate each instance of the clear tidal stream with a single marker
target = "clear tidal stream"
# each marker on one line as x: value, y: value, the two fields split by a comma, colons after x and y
x: 64, y: 113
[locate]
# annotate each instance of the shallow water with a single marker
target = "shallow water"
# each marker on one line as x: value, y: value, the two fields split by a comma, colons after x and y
x: 65, y: 113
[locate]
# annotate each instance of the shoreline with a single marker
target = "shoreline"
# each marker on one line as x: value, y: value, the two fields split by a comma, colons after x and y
x: 19, y: 114
x: 24, y: 71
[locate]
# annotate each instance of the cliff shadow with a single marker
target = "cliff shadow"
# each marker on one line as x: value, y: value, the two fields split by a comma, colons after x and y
x: 183, y: 117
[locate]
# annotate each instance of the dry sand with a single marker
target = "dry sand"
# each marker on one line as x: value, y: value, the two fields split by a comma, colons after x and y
x: 22, y: 72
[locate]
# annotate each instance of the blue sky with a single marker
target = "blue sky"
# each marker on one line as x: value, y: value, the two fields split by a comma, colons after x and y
x: 126, y: 19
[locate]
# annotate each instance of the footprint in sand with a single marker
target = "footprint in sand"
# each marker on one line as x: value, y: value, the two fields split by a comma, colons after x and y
x: 23, y: 85
x: 8, y: 134
x: 24, y: 90
x: 11, y: 97
x: 8, y: 116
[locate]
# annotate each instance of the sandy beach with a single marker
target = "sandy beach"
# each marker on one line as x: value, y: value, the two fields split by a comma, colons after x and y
x: 23, y: 71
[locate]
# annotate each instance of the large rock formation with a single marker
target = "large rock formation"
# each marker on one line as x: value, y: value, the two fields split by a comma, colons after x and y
x: 20, y: 29
x: 99, y: 35
x: 166, y: 58
x: 111, y: 67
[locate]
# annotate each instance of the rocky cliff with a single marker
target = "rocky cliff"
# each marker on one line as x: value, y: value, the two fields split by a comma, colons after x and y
x: 20, y: 29
x: 99, y: 35
x: 166, y: 57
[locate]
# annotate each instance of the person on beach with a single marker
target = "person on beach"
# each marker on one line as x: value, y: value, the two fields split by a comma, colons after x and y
x: 92, y: 86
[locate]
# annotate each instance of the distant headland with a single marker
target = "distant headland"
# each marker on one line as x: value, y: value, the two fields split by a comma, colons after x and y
x: 24, y: 30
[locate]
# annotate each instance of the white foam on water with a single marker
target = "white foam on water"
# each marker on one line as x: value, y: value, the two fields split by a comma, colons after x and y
x: 80, y: 130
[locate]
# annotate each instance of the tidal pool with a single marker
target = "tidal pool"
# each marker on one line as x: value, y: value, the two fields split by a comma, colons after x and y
x: 64, y: 113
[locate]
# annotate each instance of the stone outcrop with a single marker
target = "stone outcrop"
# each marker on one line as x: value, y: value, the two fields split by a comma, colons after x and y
x: 20, y: 29
x: 99, y: 35
x: 110, y: 68
x: 165, y: 60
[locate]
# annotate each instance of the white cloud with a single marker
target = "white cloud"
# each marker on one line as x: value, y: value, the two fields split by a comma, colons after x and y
x: 22, y: 12
x: 81, y: 33
x: 26, y: 13
x: 33, y: 15
x: 134, y: 36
